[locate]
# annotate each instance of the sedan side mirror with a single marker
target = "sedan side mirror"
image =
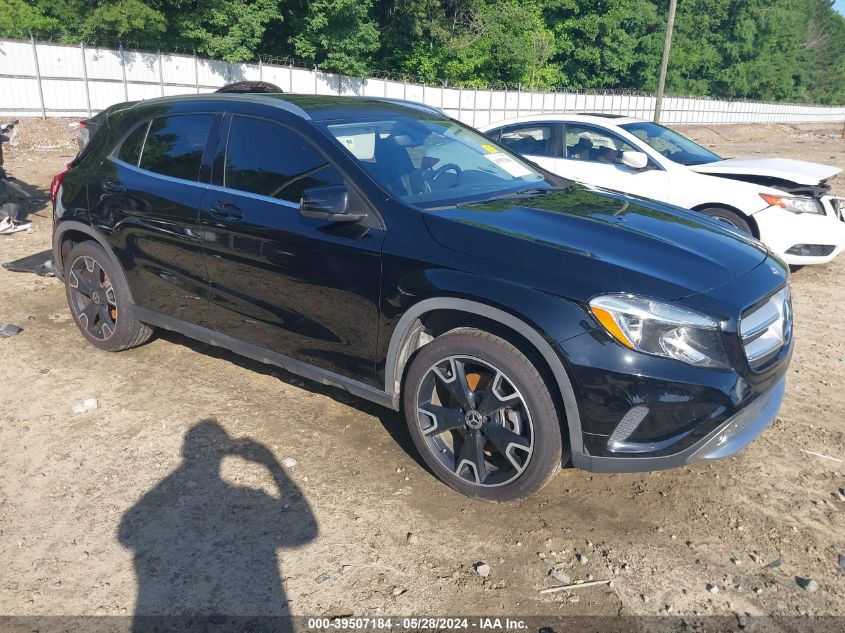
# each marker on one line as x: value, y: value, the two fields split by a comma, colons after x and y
x: 635, y: 160
x: 328, y: 203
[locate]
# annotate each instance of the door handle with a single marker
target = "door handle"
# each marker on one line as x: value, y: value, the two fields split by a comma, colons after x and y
x: 226, y: 211
x: 114, y: 187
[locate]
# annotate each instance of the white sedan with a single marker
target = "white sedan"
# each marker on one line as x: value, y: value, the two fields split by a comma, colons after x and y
x: 785, y: 203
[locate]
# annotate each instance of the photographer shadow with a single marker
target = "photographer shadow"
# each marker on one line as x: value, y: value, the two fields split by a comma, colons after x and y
x: 205, y: 551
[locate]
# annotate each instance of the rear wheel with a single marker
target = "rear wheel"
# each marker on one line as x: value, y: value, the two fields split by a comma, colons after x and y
x: 99, y: 300
x: 482, y: 417
x: 731, y: 218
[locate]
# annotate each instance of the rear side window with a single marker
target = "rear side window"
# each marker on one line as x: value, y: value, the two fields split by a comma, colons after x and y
x: 130, y: 151
x: 175, y: 145
x: 271, y: 160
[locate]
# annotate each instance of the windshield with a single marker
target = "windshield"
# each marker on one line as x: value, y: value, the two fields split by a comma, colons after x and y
x: 430, y: 162
x: 672, y: 145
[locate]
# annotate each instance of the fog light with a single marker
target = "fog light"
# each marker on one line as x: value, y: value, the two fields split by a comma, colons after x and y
x: 626, y: 427
x: 811, y: 250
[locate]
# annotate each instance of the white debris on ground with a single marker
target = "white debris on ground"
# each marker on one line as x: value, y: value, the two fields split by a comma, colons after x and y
x: 85, y: 406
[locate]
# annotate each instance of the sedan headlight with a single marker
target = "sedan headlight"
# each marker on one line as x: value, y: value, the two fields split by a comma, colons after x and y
x: 662, y: 329
x: 795, y: 205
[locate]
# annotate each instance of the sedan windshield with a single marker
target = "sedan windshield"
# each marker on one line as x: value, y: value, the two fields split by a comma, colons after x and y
x: 677, y: 148
x: 430, y: 161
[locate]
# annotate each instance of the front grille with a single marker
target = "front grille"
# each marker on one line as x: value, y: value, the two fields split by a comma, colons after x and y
x: 766, y: 328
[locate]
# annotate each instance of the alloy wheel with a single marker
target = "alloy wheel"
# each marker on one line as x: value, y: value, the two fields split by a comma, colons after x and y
x: 475, y: 421
x: 92, y: 298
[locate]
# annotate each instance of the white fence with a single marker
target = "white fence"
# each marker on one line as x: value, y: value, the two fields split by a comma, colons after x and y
x: 38, y: 79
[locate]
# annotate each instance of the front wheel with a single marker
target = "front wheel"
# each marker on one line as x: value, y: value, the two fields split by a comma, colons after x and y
x: 731, y: 218
x: 482, y: 417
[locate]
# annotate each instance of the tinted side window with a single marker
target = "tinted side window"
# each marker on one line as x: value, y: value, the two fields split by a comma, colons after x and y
x: 175, y: 144
x: 594, y: 145
x: 533, y: 139
x: 130, y: 151
x: 269, y: 159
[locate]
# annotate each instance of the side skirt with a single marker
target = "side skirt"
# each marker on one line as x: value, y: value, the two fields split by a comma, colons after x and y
x: 262, y: 355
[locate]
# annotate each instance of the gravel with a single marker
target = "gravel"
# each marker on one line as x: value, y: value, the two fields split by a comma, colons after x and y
x: 561, y: 576
x: 807, y: 584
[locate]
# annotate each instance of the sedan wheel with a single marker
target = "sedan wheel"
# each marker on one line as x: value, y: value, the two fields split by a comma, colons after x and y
x: 730, y: 218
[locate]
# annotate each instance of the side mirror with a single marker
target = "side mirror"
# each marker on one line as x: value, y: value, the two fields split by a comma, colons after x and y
x: 635, y: 160
x: 328, y: 203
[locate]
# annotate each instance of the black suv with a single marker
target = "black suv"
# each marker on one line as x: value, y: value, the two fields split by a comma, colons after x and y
x: 518, y: 320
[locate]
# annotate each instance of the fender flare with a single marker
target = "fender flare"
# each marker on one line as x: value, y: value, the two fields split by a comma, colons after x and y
x: 74, y: 225
x: 395, y: 365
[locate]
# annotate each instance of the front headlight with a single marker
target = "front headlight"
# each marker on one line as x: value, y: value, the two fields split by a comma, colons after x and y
x: 662, y: 329
x: 795, y: 205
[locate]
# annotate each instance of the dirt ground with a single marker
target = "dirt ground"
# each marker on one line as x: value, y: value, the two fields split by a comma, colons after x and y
x: 156, y: 500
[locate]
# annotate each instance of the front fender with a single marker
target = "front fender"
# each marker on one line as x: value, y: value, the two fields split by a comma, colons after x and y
x: 541, y: 319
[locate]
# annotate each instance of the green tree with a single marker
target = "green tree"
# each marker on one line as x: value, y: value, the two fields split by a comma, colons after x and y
x: 508, y: 42
x: 761, y: 49
x: 822, y: 54
x: 131, y: 20
x: 413, y: 34
x: 338, y: 35
x: 231, y: 30
x: 18, y: 18
x: 605, y: 43
x: 697, y: 48
x: 469, y: 42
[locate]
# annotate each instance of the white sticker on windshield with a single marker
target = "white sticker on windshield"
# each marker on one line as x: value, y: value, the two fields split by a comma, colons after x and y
x: 513, y: 167
x: 359, y: 140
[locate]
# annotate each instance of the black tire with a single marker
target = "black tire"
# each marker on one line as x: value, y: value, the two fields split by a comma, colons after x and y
x: 240, y: 87
x: 99, y: 300
x: 528, y: 426
x: 735, y: 220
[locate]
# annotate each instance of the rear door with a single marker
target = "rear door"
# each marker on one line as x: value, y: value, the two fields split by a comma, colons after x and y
x: 302, y: 287
x: 146, y: 200
x: 539, y: 142
x: 593, y: 155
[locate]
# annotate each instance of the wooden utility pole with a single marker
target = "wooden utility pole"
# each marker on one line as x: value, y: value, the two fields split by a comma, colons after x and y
x: 664, y: 63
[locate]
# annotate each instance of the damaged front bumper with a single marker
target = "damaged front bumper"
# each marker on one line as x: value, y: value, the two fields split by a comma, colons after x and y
x: 804, y: 238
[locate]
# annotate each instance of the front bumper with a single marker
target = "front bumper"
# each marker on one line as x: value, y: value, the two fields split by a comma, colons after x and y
x: 782, y: 230
x: 638, y: 412
x: 728, y: 438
